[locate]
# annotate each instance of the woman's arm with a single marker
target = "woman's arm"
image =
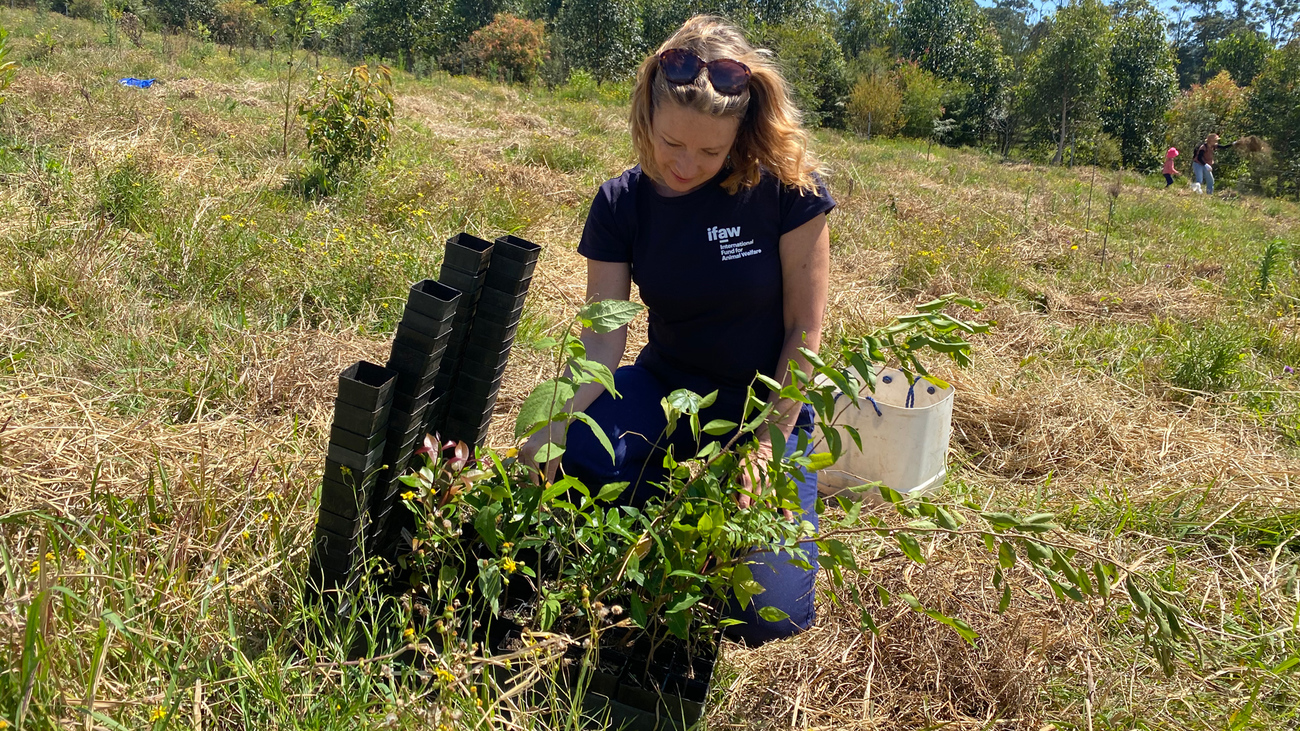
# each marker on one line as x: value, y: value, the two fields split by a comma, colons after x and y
x: 605, y: 280
x: 805, y: 271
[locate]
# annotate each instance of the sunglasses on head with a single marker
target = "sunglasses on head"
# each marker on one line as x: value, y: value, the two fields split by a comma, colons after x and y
x: 682, y: 66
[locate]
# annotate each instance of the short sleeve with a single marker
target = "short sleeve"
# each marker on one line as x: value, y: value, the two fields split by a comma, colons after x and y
x: 799, y: 207
x: 611, y: 223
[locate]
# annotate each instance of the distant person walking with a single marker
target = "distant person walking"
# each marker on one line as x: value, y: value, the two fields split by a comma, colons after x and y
x: 1169, y: 170
x: 1203, y: 162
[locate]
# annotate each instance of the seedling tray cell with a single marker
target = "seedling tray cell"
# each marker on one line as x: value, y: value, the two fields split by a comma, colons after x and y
x: 363, y: 422
x: 468, y: 253
x: 356, y: 442
x: 342, y: 500
x: 514, y: 248
x: 365, y: 385
x: 503, y: 302
x: 356, y: 461
x: 432, y: 299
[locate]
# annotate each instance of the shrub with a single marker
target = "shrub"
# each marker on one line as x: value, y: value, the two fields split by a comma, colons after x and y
x: 511, y: 45
x: 814, y: 66
x: 86, y: 9
x: 874, y: 106
x: 923, y: 99
x: 1274, y: 111
x: 240, y: 23
x: 348, y: 122
x: 7, y: 68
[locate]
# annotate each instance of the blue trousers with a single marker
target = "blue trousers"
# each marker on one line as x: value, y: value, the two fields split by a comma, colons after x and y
x: 634, y: 424
x: 1203, y: 174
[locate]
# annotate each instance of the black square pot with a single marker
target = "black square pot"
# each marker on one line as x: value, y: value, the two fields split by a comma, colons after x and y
x: 350, y: 478
x: 428, y: 327
x: 461, y: 432
x: 365, y: 385
x: 412, y: 404
x: 344, y: 500
x: 335, y: 552
x: 470, y: 387
x: 467, y: 253
x: 432, y: 300
x: 505, y: 319
x: 413, y: 435
x: 514, y: 248
x: 321, y: 579
x: 464, y: 282
x: 503, y: 302
x: 357, y: 442
x: 363, y: 462
x: 510, y: 276
x: 340, y: 525
x: 480, y: 357
x: 410, y: 364
x: 482, y: 371
x: 402, y: 422
x: 513, y: 287
x: 397, y: 457
x: 361, y: 421
x: 486, y: 331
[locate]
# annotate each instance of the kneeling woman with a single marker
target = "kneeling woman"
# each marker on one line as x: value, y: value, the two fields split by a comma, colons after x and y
x: 722, y: 226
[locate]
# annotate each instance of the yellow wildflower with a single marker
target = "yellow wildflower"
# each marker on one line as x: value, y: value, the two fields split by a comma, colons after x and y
x: 509, y: 565
x: 81, y: 556
x: 408, y: 495
x: 49, y: 555
x: 157, y: 714
x: 36, y: 567
x: 445, y: 676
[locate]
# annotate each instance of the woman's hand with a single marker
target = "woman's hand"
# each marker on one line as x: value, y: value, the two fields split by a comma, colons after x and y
x: 553, y: 433
x: 753, y: 476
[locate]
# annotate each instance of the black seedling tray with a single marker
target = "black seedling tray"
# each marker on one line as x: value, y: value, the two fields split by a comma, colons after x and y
x: 356, y: 442
x: 468, y: 253
x: 514, y: 248
x: 343, y: 500
x: 507, y: 275
x: 411, y: 364
x: 363, y: 462
x: 432, y: 300
x: 339, y: 525
x: 493, y: 299
x: 365, y: 385
x: 357, y: 420
x: 353, y: 480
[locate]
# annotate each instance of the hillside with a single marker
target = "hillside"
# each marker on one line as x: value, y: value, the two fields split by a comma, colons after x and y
x: 173, y: 317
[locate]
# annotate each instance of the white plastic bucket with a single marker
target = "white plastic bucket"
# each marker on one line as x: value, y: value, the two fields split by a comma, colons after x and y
x: 905, y: 448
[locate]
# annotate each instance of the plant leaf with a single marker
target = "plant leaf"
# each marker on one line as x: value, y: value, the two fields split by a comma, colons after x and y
x: 548, y: 400
x: 608, y: 315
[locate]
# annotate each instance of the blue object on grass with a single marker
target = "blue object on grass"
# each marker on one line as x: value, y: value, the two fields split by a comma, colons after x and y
x: 137, y: 83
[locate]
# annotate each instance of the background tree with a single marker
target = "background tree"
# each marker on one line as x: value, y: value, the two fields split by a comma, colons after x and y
x: 602, y: 36
x: 1218, y: 106
x: 953, y: 40
x: 403, y: 29
x: 1280, y: 16
x: 875, y: 106
x: 511, y: 45
x: 863, y: 25
x: 814, y: 67
x: 1141, y: 83
x: 1275, y: 112
x: 1241, y: 53
x: 1065, y: 78
x: 1207, y: 24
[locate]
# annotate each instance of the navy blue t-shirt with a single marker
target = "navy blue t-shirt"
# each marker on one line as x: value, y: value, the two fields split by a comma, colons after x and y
x: 708, y: 266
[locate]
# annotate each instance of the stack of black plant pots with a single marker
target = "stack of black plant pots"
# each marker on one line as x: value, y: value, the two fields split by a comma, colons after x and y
x: 642, y: 686
x: 356, y: 449
x: 464, y: 268
x: 482, y: 363
x: 418, y: 352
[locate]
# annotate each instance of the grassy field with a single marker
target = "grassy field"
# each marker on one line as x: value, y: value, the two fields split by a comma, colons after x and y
x: 173, y: 316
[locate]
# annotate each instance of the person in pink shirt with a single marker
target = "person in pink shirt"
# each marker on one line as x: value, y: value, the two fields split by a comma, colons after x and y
x: 1169, y: 170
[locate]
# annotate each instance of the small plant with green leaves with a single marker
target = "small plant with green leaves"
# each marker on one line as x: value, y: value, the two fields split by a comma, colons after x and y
x: 1271, y: 264
x: 349, y: 123
x: 496, y: 545
x: 8, y: 69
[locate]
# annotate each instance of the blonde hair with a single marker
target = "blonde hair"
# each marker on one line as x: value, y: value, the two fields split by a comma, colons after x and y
x: 769, y: 136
